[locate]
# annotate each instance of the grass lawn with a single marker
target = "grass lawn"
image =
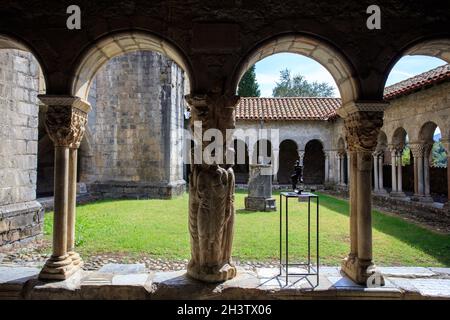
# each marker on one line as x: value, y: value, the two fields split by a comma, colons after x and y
x: 159, y: 228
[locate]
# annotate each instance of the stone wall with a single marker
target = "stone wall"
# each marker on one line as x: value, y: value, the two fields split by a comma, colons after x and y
x: 21, y: 217
x: 133, y: 147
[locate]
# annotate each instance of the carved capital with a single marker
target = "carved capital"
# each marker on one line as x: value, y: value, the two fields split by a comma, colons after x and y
x: 214, y: 110
x: 65, y: 119
x: 363, y: 129
x: 417, y: 149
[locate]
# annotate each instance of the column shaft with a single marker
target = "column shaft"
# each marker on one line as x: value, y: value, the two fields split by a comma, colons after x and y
x: 364, y: 206
x: 399, y: 173
x: 375, y: 173
x: 394, y: 171
x: 72, y: 204
x: 380, y: 173
x: 60, y: 216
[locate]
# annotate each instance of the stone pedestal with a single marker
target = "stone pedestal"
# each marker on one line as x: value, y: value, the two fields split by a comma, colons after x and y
x: 260, y: 189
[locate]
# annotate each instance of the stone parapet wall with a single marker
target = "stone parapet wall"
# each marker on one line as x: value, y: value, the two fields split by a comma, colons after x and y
x: 20, y: 222
x: 134, y: 190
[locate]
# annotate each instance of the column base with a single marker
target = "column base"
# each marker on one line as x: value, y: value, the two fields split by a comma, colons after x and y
x: 422, y: 198
x: 58, y: 268
x: 211, y: 274
x: 380, y: 192
x: 360, y: 271
x: 76, y: 259
x: 398, y: 194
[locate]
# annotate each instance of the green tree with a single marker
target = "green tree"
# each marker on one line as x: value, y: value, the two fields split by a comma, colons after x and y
x: 298, y: 86
x: 248, y: 87
x: 438, y: 155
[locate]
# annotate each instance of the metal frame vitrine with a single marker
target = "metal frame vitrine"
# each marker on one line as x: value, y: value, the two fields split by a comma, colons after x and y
x: 284, y: 265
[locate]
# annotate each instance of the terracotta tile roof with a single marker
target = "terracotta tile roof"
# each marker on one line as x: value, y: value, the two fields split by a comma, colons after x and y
x: 289, y: 108
x: 414, y: 83
x: 304, y: 108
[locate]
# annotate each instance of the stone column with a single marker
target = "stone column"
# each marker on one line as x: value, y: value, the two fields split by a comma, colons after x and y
x: 426, y: 173
x: 417, y: 150
x: 327, y: 166
x: 275, y: 164
x: 399, y: 172
x: 394, y: 170
x: 301, y: 156
x: 338, y: 156
x: 376, y: 187
x: 251, y: 155
x: 348, y: 169
x: 446, y: 145
x: 341, y: 169
x: 362, y: 122
x: 65, y: 122
x: 211, y: 195
x: 381, y: 189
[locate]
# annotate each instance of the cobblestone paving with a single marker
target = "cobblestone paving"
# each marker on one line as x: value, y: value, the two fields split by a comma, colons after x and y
x: 37, y: 253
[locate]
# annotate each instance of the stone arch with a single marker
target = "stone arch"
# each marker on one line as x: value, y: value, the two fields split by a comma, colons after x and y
x: 287, y: 157
x: 426, y: 132
x: 7, y: 42
x: 438, y: 48
x: 116, y: 44
x: 382, y: 141
x: 314, y: 162
x: 399, y: 137
x: 321, y: 51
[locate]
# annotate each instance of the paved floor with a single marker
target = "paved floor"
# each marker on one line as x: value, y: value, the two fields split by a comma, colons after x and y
x: 134, y: 281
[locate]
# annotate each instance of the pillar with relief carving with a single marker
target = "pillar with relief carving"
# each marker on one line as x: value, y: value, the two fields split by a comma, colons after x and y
x: 65, y: 122
x: 363, y: 121
x: 211, y: 193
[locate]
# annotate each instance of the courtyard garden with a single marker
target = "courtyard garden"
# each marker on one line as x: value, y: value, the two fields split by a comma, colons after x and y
x: 159, y: 228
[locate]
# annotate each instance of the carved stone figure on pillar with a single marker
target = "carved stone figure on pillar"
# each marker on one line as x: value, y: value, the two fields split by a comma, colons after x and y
x: 211, y: 197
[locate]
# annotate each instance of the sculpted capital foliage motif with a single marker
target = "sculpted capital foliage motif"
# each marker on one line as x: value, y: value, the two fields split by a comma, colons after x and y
x: 362, y: 130
x: 65, y: 125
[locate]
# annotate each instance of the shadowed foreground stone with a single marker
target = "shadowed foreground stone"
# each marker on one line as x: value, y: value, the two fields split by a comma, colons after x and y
x: 263, y: 283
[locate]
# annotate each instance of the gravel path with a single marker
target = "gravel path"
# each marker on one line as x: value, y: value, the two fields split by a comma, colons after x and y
x: 37, y: 253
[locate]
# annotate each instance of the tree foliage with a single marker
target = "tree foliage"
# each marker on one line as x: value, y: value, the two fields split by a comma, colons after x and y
x: 298, y: 86
x: 248, y: 87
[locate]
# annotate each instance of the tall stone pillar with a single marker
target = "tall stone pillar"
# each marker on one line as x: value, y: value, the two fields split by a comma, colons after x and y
x: 396, y: 172
x: 348, y: 168
x: 362, y: 122
x: 376, y: 187
x: 381, y: 189
x: 341, y: 168
x: 65, y: 122
x: 426, y: 173
x: 446, y: 145
x: 419, y: 152
x: 251, y: 155
x: 338, y: 156
x: 275, y: 164
x: 211, y: 193
x: 327, y: 166
x: 393, y: 170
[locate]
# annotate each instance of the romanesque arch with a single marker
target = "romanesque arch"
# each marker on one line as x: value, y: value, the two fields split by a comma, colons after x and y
x: 314, y: 163
x: 117, y: 44
x: 321, y: 51
x: 287, y: 157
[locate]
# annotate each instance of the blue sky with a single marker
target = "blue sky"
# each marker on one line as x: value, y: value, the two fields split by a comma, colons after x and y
x: 268, y: 70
